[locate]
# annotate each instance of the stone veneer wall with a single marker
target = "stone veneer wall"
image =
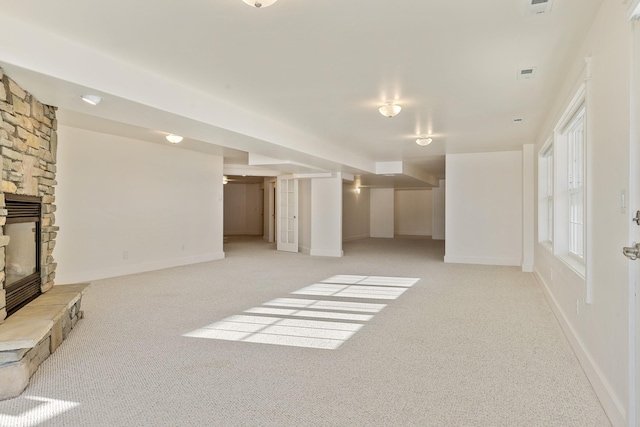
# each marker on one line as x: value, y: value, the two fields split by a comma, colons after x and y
x: 28, y: 144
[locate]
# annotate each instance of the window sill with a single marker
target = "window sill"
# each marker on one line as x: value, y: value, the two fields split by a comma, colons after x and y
x: 547, y: 246
x: 575, y: 265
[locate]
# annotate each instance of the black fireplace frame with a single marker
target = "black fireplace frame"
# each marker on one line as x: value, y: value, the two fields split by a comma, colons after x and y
x: 21, y: 208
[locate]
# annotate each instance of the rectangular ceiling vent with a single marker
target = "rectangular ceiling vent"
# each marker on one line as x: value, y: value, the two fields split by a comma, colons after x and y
x: 538, y: 7
x: 526, y: 73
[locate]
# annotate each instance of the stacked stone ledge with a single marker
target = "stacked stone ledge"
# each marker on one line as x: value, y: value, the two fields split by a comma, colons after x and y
x: 28, y: 146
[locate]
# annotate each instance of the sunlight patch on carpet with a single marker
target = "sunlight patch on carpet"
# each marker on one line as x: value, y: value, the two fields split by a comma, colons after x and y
x: 310, y: 323
x: 37, y: 413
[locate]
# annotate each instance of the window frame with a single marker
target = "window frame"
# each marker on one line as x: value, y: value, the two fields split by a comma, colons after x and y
x: 546, y: 194
x: 575, y: 134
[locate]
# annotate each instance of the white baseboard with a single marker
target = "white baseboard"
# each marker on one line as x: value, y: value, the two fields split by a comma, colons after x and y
x: 124, y: 270
x: 325, y: 252
x: 482, y: 260
x: 352, y: 238
x: 612, y: 406
x: 304, y: 250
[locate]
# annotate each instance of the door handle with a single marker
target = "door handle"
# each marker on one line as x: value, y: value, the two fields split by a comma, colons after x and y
x: 632, y: 252
x: 636, y: 219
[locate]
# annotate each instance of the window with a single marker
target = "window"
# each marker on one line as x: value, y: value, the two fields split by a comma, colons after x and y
x: 566, y: 180
x: 574, y: 133
x: 545, y: 194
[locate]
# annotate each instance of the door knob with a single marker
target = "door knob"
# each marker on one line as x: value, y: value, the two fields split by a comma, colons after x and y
x: 632, y: 252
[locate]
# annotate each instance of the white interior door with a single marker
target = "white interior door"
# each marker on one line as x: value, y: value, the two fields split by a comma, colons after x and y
x: 634, y: 230
x: 287, y: 212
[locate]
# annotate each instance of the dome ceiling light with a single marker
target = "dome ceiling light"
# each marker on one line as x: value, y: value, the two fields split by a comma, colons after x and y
x: 259, y: 3
x: 424, y: 140
x: 389, y: 109
x: 174, y: 139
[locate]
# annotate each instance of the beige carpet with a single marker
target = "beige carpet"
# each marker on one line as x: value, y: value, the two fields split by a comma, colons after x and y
x: 464, y: 346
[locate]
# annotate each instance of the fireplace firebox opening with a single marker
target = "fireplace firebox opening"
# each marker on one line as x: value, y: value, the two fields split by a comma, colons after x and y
x: 22, y: 254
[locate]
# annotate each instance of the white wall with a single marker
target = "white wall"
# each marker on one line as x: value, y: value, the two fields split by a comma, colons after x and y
x: 242, y: 209
x: 484, y: 208
x: 326, y: 216
x: 598, y: 326
x: 381, y: 212
x: 304, y: 216
x: 355, y: 212
x: 269, y: 210
x: 439, y: 211
x: 160, y: 204
x: 413, y: 213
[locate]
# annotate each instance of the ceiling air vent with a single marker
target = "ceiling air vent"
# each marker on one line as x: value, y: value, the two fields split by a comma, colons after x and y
x: 526, y: 73
x: 537, y: 7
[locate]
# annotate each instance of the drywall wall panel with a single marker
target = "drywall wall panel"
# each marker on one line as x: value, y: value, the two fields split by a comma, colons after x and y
x: 484, y: 208
x: 413, y: 213
x: 242, y: 209
x: 381, y: 212
x: 594, y: 310
x: 355, y: 212
x: 326, y: 216
x: 127, y: 206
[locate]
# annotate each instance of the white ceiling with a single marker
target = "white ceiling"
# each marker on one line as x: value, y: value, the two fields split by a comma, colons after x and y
x: 301, y: 80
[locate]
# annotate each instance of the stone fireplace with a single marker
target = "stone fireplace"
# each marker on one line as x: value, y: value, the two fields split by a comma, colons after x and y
x: 28, y: 143
x: 35, y: 315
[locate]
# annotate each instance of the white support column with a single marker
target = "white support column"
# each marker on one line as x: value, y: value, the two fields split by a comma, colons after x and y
x: 439, y: 211
x: 527, y: 207
x: 326, y: 216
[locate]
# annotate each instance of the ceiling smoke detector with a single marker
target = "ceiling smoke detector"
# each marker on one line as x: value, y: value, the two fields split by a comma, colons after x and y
x: 538, y: 7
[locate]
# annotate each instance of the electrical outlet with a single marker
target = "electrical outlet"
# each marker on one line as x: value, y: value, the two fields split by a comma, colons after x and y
x: 125, y: 254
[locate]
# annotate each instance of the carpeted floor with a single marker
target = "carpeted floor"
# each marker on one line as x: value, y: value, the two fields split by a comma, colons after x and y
x: 464, y: 346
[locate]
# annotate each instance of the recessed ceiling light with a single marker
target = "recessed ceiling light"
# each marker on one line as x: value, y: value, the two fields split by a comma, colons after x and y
x: 91, y: 99
x: 174, y: 139
x: 259, y: 3
x: 389, y: 109
x: 424, y: 140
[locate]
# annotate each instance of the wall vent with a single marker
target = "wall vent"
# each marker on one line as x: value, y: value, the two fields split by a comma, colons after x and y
x: 538, y: 7
x: 526, y: 73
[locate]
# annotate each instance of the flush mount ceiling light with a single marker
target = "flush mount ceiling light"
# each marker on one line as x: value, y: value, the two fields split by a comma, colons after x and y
x: 174, y: 139
x: 389, y: 109
x: 259, y: 3
x: 91, y: 99
x: 424, y: 140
